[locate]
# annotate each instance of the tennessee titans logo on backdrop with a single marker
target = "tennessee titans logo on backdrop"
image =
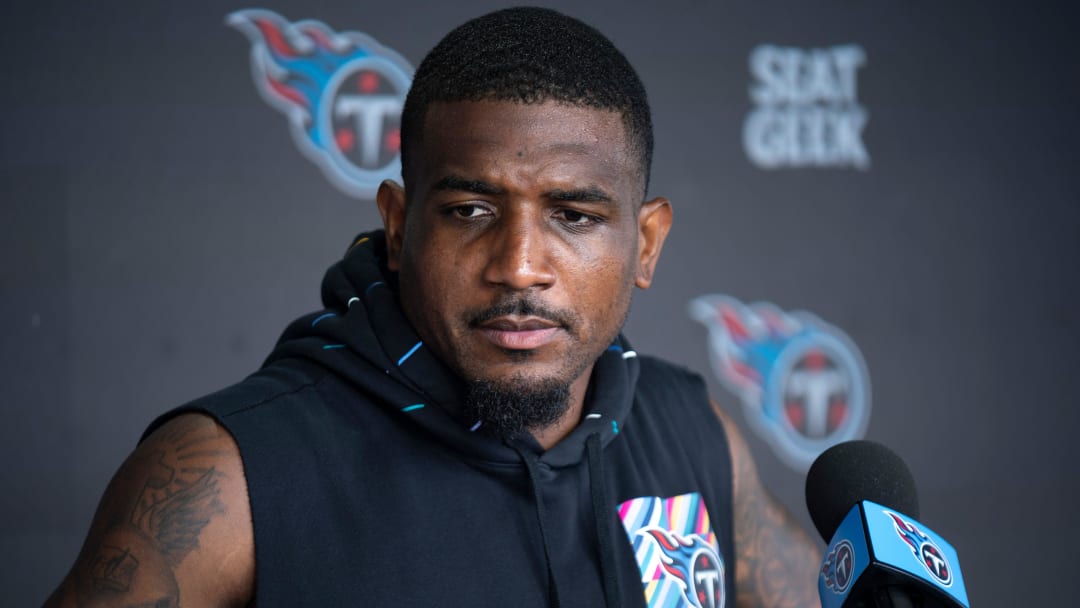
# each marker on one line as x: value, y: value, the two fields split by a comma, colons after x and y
x: 341, y: 92
x: 802, y: 382
x: 676, y: 550
x: 838, y: 567
x: 924, y: 549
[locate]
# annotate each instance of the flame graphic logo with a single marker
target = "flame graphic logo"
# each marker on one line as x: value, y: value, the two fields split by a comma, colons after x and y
x: 908, y: 532
x: 838, y: 566
x: 802, y: 382
x: 923, y: 548
x: 342, y: 94
x: 693, y: 564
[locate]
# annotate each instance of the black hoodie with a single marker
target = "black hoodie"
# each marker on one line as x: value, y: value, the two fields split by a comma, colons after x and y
x: 367, y: 487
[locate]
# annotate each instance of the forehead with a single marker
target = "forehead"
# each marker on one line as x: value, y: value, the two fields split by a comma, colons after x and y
x: 538, y: 140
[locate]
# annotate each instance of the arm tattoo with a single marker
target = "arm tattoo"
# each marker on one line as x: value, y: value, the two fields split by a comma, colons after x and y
x: 776, y: 563
x: 173, y: 510
x: 136, y: 557
x: 179, y: 497
x: 113, y: 568
x: 777, y: 560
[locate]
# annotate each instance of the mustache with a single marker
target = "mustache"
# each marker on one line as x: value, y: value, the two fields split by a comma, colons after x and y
x: 522, y: 306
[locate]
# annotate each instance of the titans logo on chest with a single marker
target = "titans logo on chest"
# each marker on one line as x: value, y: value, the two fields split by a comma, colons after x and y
x: 676, y: 551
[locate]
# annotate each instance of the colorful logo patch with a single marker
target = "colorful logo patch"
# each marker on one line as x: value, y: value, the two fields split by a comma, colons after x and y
x: 342, y: 93
x: 924, y: 549
x: 802, y: 382
x: 838, y: 567
x: 676, y: 550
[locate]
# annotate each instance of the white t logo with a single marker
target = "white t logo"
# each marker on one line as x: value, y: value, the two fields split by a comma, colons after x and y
x: 369, y: 112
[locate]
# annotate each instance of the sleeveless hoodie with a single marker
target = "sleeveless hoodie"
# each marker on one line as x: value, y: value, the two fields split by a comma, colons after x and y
x: 368, y: 488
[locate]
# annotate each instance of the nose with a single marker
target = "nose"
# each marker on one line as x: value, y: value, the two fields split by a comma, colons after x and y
x: 518, y: 253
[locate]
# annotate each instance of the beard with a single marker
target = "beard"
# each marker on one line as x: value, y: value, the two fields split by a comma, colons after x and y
x: 509, y: 408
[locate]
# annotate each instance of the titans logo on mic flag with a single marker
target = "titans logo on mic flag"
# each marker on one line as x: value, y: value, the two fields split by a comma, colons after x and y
x: 342, y: 93
x: 839, y: 566
x: 924, y: 549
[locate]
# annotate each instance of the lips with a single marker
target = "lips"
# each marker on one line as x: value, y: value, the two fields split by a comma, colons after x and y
x: 519, y: 333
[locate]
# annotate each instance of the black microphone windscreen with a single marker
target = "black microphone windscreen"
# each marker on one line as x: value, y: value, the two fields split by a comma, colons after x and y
x: 853, y: 471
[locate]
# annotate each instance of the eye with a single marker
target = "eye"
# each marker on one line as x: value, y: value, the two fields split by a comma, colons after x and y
x: 574, y: 217
x: 577, y: 219
x: 469, y: 212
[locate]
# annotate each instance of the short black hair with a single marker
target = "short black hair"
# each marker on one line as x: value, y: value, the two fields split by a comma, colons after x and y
x: 529, y: 55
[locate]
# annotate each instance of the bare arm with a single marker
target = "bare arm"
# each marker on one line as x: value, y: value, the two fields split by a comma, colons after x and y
x: 776, y: 561
x: 173, y: 528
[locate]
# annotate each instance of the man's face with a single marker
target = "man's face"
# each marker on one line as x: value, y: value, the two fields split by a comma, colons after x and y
x: 522, y: 238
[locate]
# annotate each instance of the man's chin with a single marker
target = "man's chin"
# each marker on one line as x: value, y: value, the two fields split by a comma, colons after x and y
x: 507, y: 407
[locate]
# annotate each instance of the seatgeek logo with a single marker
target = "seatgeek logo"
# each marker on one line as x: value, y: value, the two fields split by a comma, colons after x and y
x: 342, y: 93
x: 802, y: 382
x: 807, y: 112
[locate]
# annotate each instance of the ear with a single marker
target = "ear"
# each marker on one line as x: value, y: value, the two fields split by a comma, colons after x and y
x: 654, y: 221
x: 391, y: 201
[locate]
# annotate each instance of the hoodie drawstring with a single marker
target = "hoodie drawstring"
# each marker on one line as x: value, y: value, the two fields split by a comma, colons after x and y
x: 534, y: 481
x: 602, y: 515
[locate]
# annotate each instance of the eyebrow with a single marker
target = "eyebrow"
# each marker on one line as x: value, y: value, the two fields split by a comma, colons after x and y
x: 591, y: 194
x: 457, y: 183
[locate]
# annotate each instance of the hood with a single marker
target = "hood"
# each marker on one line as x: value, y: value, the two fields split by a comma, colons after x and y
x: 362, y: 336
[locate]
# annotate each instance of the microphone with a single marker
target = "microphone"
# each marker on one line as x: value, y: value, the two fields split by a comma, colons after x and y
x: 862, y: 500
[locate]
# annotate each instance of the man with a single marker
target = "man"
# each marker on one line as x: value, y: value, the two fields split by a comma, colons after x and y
x: 464, y: 425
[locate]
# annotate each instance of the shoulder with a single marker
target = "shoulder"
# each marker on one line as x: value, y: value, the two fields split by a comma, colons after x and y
x: 661, y: 376
x: 673, y: 392
x: 281, y: 384
x: 672, y: 406
x: 174, y: 521
x: 272, y: 384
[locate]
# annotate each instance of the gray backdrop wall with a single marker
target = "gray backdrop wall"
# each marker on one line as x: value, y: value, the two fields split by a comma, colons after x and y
x: 160, y: 227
